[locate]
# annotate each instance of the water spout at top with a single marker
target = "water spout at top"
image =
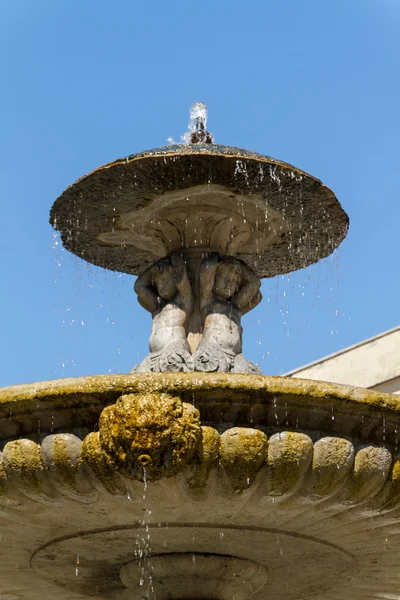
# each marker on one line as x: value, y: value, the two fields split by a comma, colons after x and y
x: 198, y: 133
x: 198, y: 116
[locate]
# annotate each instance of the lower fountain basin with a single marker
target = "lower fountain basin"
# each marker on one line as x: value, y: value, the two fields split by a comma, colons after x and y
x: 273, y: 487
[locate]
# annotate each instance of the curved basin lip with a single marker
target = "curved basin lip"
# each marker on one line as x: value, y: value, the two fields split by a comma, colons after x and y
x: 218, y: 150
x: 86, y: 389
x: 97, y: 202
x: 199, y: 524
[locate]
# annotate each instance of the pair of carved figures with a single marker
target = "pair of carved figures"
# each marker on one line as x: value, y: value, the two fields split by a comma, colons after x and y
x: 228, y: 289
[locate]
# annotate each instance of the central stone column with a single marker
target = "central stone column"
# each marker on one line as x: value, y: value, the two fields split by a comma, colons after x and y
x: 193, y: 258
x: 197, y: 298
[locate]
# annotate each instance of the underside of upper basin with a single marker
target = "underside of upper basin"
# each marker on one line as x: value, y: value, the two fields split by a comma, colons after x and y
x: 130, y: 213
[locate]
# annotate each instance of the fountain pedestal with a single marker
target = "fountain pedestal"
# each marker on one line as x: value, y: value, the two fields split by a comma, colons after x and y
x: 194, y: 201
x: 197, y: 300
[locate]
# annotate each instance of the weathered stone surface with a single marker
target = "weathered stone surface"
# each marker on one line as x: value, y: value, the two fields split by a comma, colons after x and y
x: 130, y: 213
x: 165, y: 291
x: 104, y: 474
x: 371, y: 469
x: 3, y: 477
x: 289, y: 458
x: 274, y: 480
x: 287, y: 463
x: 333, y: 459
x: 243, y: 452
x: 25, y: 469
x: 150, y: 435
x: 61, y: 455
x: 204, y: 296
x: 315, y: 567
x: 204, y: 460
x: 247, y: 400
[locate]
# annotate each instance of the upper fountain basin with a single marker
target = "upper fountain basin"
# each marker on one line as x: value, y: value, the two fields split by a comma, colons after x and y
x: 129, y: 213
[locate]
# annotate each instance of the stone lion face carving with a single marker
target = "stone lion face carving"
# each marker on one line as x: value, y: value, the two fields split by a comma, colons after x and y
x: 152, y: 435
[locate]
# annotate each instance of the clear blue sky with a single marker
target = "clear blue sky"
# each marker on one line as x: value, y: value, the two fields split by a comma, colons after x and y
x: 314, y: 83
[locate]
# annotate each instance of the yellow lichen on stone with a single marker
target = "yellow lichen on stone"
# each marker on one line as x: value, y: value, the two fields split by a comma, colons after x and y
x: 94, y: 457
x: 154, y: 426
x: 371, y: 469
x: 243, y: 452
x: 394, y: 493
x: 57, y: 455
x: 3, y: 476
x: 153, y: 434
x: 332, y: 461
x: 24, y: 465
x: 22, y: 457
x: 396, y: 472
x: 205, y: 458
x: 289, y: 458
x: 61, y: 455
x: 85, y: 390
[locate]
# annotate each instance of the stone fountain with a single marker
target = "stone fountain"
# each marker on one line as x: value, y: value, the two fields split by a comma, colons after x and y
x: 195, y: 476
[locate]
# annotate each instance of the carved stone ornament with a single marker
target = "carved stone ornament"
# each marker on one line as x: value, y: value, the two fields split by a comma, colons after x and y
x: 155, y: 433
x: 201, y: 296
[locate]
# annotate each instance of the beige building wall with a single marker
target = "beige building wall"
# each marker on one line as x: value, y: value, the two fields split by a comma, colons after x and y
x: 374, y: 364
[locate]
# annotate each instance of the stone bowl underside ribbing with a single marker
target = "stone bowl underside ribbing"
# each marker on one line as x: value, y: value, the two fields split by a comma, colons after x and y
x: 127, y: 214
x: 264, y: 487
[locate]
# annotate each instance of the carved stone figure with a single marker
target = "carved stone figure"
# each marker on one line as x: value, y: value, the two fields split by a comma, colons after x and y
x: 226, y: 287
x: 228, y: 290
x: 154, y: 431
x: 164, y: 290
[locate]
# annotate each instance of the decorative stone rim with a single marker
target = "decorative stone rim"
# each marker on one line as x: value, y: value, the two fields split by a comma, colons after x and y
x: 244, y: 400
x: 282, y: 465
x: 184, y: 149
x: 295, y: 432
x: 78, y: 391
